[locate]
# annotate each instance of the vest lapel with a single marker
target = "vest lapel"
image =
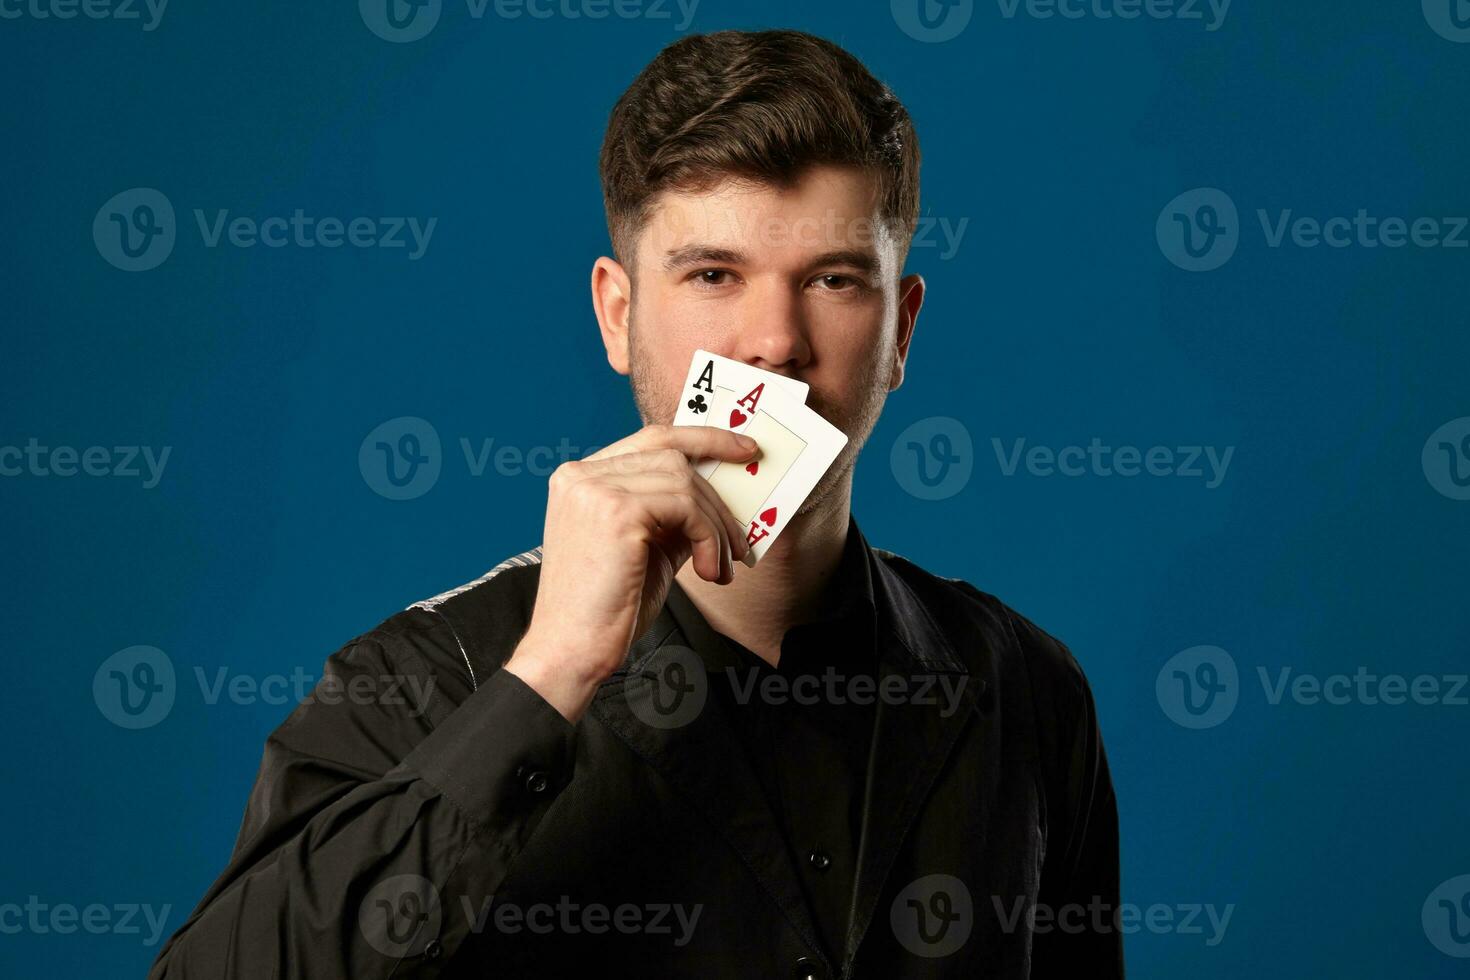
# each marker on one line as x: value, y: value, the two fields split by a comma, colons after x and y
x: 910, y: 741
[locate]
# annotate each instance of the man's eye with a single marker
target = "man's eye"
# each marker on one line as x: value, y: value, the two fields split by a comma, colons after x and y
x: 714, y: 277
x: 836, y: 283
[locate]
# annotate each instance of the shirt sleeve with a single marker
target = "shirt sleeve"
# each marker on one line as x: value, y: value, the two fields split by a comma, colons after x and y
x: 1080, y: 880
x: 371, y: 834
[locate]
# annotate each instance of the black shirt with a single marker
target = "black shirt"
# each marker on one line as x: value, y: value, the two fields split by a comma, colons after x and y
x: 386, y: 824
x: 805, y: 728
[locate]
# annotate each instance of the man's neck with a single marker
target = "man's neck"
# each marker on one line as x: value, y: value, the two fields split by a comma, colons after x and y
x: 785, y: 587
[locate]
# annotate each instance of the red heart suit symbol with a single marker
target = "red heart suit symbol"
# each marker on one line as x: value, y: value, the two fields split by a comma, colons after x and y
x: 736, y: 417
x: 768, y: 517
x: 752, y: 466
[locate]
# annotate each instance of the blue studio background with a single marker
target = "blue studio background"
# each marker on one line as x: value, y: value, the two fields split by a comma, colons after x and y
x: 1061, y: 153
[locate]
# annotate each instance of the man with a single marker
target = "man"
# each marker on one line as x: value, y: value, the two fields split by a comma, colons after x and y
x: 641, y: 759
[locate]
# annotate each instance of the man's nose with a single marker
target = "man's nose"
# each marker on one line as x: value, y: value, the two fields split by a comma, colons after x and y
x: 773, y: 331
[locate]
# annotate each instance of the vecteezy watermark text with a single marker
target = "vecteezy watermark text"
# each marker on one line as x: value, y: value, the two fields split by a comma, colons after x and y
x: 136, y: 688
x: 136, y: 230
x: 403, y: 21
x: 1100, y: 917
x: 834, y: 687
x: 1097, y: 458
x: 1200, y: 230
x: 129, y: 462
x: 148, y: 12
x: 569, y: 917
x: 1201, y: 686
x: 64, y: 918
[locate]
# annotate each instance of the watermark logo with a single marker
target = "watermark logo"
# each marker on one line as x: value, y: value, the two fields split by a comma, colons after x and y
x: 1207, y: 463
x: 401, y: 458
x: 40, y: 918
x: 932, y: 21
x: 671, y: 690
x: 401, y: 915
x: 135, y: 230
x: 1199, y: 230
x: 1449, y: 18
x: 933, y: 458
x: 943, y: 691
x: 1446, y: 917
x: 400, y: 21
x: 135, y: 687
x: 569, y: 917
x: 933, y: 916
x: 1103, y: 918
x: 1211, y: 13
x: 1199, y: 687
x: 1446, y: 459
x: 148, y: 12
x: 145, y: 463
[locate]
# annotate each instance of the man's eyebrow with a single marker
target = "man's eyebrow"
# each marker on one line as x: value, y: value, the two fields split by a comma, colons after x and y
x: 692, y: 255
x: 682, y: 258
x: 852, y: 257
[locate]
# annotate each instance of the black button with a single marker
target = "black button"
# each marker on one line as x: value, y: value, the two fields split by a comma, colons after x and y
x: 534, y: 780
x: 433, y: 949
x: 807, y: 969
x: 819, y: 860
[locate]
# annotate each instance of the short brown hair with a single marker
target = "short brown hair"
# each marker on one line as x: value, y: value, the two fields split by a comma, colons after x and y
x: 763, y: 106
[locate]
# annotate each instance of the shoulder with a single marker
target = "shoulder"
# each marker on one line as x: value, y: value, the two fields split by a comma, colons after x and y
x: 459, y: 636
x: 967, y: 614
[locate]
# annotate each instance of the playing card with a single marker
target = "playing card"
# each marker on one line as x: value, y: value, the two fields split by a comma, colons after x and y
x: 796, y: 447
x: 719, y: 391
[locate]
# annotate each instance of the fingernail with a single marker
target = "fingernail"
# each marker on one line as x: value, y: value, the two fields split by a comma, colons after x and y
x: 746, y: 442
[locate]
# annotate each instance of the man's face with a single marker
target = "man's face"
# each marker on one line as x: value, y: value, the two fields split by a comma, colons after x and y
x: 802, y: 281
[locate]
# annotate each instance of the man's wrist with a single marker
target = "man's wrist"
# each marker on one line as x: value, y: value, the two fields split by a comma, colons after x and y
x: 558, y: 674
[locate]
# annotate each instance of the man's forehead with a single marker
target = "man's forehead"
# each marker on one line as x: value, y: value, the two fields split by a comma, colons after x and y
x: 828, y: 209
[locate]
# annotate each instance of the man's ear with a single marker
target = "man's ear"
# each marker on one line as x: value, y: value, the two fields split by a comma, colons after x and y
x: 910, y: 299
x: 612, y: 300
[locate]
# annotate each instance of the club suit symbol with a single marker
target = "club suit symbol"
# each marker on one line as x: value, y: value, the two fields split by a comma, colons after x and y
x: 1198, y: 687
x: 400, y: 915
x: 1450, y: 19
x: 932, y: 21
x: 400, y: 21
x: 933, y: 916
x: 135, y: 688
x: 1446, y: 917
x: 135, y: 230
x: 670, y: 689
x: 401, y: 458
x: 1199, y: 230
x: 697, y: 405
x: 1446, y: 459
x: 933, y: 458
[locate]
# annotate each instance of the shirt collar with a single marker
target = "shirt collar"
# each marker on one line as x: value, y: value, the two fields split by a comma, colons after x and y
x: 848, y: 604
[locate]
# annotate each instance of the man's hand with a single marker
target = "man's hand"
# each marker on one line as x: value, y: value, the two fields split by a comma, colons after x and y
x: 619, y: 524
